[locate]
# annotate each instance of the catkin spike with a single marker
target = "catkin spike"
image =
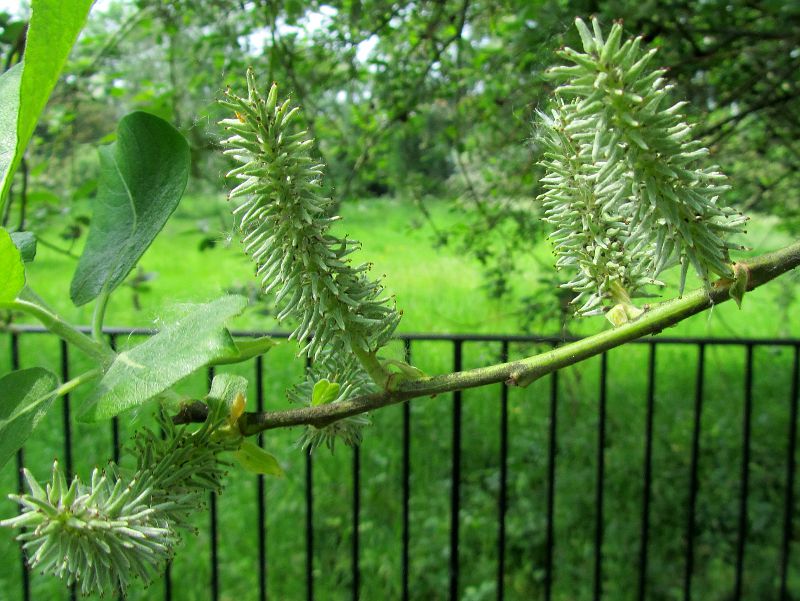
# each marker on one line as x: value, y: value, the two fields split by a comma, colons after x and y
x: 353, y: 381
x: 112, y: 530
x: 619, y: 157
x: 285, y: 226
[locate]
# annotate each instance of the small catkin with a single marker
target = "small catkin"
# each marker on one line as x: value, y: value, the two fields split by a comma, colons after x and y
x: 114, y: 529
x: 344, y: 370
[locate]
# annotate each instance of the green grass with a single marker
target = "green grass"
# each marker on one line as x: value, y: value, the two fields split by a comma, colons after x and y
x: 440, y: 291
x: 400, y: 248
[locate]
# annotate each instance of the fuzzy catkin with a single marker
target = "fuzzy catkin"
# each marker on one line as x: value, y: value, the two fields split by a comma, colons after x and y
x: 625, y: 185
x: 591, y: 233
x: 285, y: 225
x: 105, y: 533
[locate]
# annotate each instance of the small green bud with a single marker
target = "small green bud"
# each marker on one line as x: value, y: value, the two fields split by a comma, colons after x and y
x: 741, y: 278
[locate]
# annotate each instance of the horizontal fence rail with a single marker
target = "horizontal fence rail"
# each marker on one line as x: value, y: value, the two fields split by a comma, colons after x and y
x: 543, y: 564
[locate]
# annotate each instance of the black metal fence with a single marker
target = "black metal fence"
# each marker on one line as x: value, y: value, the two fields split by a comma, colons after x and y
x: 782, y: 573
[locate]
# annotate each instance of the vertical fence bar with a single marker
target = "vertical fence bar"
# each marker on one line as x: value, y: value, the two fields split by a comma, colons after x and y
x: 406, y: 485
x: 168, y: 567
x: 788, y: 508
x: 551, y: 487
x: 648, y: 469
x: 67, y: 428
x: 115, y: 443
x: 309, y: 519
x: 601, y: 443
x: 214, y: 551
x: 25, y: 577
x: 262, y: 505
x: 66, y: 420
x: 309, y: 527
x: 694, y: 482
x: 502, y: 501
x: 455, y: 491
x: 356, y: 576
x: 213, y: 524
x: 168, y: 581
x: 745, y: 480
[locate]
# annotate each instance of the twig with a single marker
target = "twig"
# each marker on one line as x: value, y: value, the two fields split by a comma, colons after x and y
x: 63, y: 251
x: 524, y: 371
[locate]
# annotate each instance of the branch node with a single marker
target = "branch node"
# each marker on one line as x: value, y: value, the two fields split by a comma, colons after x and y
x: 191, y: 413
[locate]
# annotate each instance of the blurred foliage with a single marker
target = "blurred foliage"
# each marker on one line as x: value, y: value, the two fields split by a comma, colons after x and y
x: 424, y: 99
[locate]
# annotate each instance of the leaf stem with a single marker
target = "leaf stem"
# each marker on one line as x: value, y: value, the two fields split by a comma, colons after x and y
x: 72, y: 384
x: 369, y: 361
x: 99, y: 315
x: 29, y: 294
x: 56, y: 324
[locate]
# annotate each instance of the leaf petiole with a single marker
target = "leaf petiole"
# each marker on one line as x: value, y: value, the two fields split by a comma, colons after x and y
x: 72, y: 384
x: 61, y: 328
x: 99, y: 315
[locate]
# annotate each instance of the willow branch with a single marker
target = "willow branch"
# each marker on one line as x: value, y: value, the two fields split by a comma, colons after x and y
x: 524, y: 371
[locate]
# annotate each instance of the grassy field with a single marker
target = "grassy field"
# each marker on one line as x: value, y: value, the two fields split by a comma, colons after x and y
x: 439, y: 291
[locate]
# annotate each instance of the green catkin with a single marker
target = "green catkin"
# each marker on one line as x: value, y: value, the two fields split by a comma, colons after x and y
x: 624, y: 184
x: 283, y: 217
x: 104, y: 534
x: 353, y: 380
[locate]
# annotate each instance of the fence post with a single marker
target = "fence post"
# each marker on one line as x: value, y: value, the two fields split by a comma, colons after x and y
x: 648, y: 469
x: 406, y: 482
x: 455, y: 492
x: 601, y: 444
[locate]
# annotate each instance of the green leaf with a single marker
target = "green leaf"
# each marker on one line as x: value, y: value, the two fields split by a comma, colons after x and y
x: 231, y: 390
x: 324, y: 392
x: 255, y: 459
x: 54, y: 27
x: 9, y: 113
x: 225, y: 387
x: 25, y: 396
x: 247, y: 348
x: 147, y: 370
x: 26, y: 243
x: 143, y: 176
x: 12, y: 271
